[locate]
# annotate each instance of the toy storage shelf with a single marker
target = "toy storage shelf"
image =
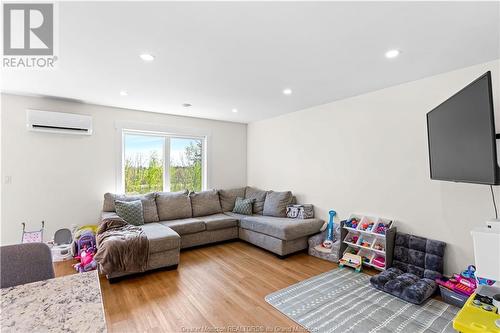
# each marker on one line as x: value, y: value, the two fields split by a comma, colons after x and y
x: 369, y: 240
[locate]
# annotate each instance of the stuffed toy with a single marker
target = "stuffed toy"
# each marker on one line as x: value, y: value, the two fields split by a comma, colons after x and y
x: 87, y: 262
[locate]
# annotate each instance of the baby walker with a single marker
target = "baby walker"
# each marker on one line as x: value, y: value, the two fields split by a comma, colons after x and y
x: 32, y: 236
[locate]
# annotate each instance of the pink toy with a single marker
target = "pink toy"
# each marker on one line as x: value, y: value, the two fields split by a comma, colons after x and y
x: 379, y: 261
x: 87, y: 262
x: 459, y: 284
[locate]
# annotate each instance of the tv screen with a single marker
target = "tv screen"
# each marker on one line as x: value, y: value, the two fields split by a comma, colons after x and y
x: 462, y: 138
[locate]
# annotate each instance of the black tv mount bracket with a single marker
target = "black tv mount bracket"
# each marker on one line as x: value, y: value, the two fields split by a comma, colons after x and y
x: 497, y: 136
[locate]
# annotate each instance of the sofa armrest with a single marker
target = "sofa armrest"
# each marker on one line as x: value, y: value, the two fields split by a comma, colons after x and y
x: 110, y: 216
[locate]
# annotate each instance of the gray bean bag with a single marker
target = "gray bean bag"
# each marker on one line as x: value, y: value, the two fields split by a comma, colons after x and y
x: 416, y: 264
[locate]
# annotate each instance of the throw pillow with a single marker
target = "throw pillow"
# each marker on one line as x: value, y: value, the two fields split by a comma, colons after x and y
x: 148, y: 204
x: 276, y: 202
x: 130, y: 211
x: 243, y: 206
x: 259, y: 196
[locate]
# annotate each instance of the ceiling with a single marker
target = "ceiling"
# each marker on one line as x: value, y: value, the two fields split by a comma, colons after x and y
x: 225, y: 55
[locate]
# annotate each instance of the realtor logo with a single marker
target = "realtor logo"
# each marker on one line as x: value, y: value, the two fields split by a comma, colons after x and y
x: 28, y: 36
x: 28, y: 29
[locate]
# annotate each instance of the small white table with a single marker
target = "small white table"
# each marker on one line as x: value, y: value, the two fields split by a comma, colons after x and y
x: 71, y: 303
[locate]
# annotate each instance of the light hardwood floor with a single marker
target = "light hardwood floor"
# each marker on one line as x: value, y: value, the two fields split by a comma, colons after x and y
x: 219, y: 286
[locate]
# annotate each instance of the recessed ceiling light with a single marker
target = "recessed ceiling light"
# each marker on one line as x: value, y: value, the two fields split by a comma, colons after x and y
x: 235, y: 110
x: 147, y: 57
x: 287, y: 91
x: 123, y: 93
x: 186, y: 105
x: 392, y: 53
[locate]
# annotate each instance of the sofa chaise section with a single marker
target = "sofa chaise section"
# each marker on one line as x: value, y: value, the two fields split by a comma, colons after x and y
x: 279, y: 235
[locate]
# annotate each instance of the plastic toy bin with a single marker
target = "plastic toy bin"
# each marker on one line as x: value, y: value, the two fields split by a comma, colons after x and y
x: 451, y: 297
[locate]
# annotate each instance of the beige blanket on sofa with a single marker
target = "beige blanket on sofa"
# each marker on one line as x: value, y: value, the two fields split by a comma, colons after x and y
x: 121, y: 247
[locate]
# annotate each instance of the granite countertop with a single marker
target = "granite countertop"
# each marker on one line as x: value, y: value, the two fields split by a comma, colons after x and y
x: 71, y: 303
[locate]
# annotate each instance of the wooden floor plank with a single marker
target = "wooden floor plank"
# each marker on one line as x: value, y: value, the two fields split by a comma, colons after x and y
x: 219, y: 286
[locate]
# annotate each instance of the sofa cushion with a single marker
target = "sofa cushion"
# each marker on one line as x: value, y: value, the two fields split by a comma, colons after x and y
x: 148, y: 204
x: 205, y: 203
x: 259, y: 196
x: 161, y: 238
x: 282, y: 228
x: 173, y: 205
x: 130, y: 211
x: 243, y: 206
x: 276, y: 202
x: 185, y: 226
x: 218, y: 221
x: 228, y: 198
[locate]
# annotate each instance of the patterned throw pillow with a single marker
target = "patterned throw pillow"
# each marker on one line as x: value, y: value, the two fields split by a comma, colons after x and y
x: 130, y: 211
x: 243, y: 206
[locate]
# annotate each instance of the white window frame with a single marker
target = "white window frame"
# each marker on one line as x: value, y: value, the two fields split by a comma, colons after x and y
x: 168, y: 134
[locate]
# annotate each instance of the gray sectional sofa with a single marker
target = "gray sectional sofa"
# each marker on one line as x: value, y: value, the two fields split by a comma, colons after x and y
x: 178, y: 220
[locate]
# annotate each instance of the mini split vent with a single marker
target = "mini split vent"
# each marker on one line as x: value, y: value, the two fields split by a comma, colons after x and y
x: 58, y: 122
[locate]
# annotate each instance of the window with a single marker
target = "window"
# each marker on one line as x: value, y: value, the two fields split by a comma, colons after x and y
x: 160, y: 162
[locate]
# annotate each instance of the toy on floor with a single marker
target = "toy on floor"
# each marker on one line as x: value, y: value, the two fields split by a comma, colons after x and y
x: 351, y: 260
x: 460, y: 284
x: 352, y: 223
x: 87, y: 261
x: 85, y: 241
x: 330, y: 227
x: 61, y: 246
x: 379, y: 261
x: 32, y: 236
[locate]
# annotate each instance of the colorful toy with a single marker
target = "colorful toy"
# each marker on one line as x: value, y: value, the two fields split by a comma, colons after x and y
x: 379, y: 261
x: 85, y: 241
x: 366, y: 226
x: 459, y: 283
x: 352, y: 223
x: 328, y: 242
x: 378, y: 246
x: 352, y: 239
x: 364, y: 243
x: 352, y: 250
x: 351, y: 260
x: 381, y: 228
x: 470, y: 273
x: 87, y: 261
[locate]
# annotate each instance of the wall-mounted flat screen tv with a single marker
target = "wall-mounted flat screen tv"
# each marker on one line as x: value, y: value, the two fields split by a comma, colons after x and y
x: 462, y: 137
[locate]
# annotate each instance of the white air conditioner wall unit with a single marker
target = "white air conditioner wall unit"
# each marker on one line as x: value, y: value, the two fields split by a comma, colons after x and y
x: 58, y: 122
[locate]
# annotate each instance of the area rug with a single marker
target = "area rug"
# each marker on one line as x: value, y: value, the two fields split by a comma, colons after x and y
x: 344, y: 301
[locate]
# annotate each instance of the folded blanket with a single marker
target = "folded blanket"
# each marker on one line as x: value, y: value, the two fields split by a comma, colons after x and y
x: 121, y: 247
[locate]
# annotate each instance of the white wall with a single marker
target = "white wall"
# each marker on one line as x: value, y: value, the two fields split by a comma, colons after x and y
x: 62, y: 178
x: 369, y: 154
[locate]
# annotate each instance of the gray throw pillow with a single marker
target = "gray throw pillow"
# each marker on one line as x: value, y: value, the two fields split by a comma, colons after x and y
x: 276, y: 202
x: 259, y: 196
x: 130, y: 211
x: 228, y: 198
x: 148, y: 204
x: 205, y: 203
x: 243, y: 206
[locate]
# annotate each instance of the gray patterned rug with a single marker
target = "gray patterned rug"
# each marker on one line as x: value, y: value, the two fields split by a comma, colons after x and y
x: 344, y: 301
